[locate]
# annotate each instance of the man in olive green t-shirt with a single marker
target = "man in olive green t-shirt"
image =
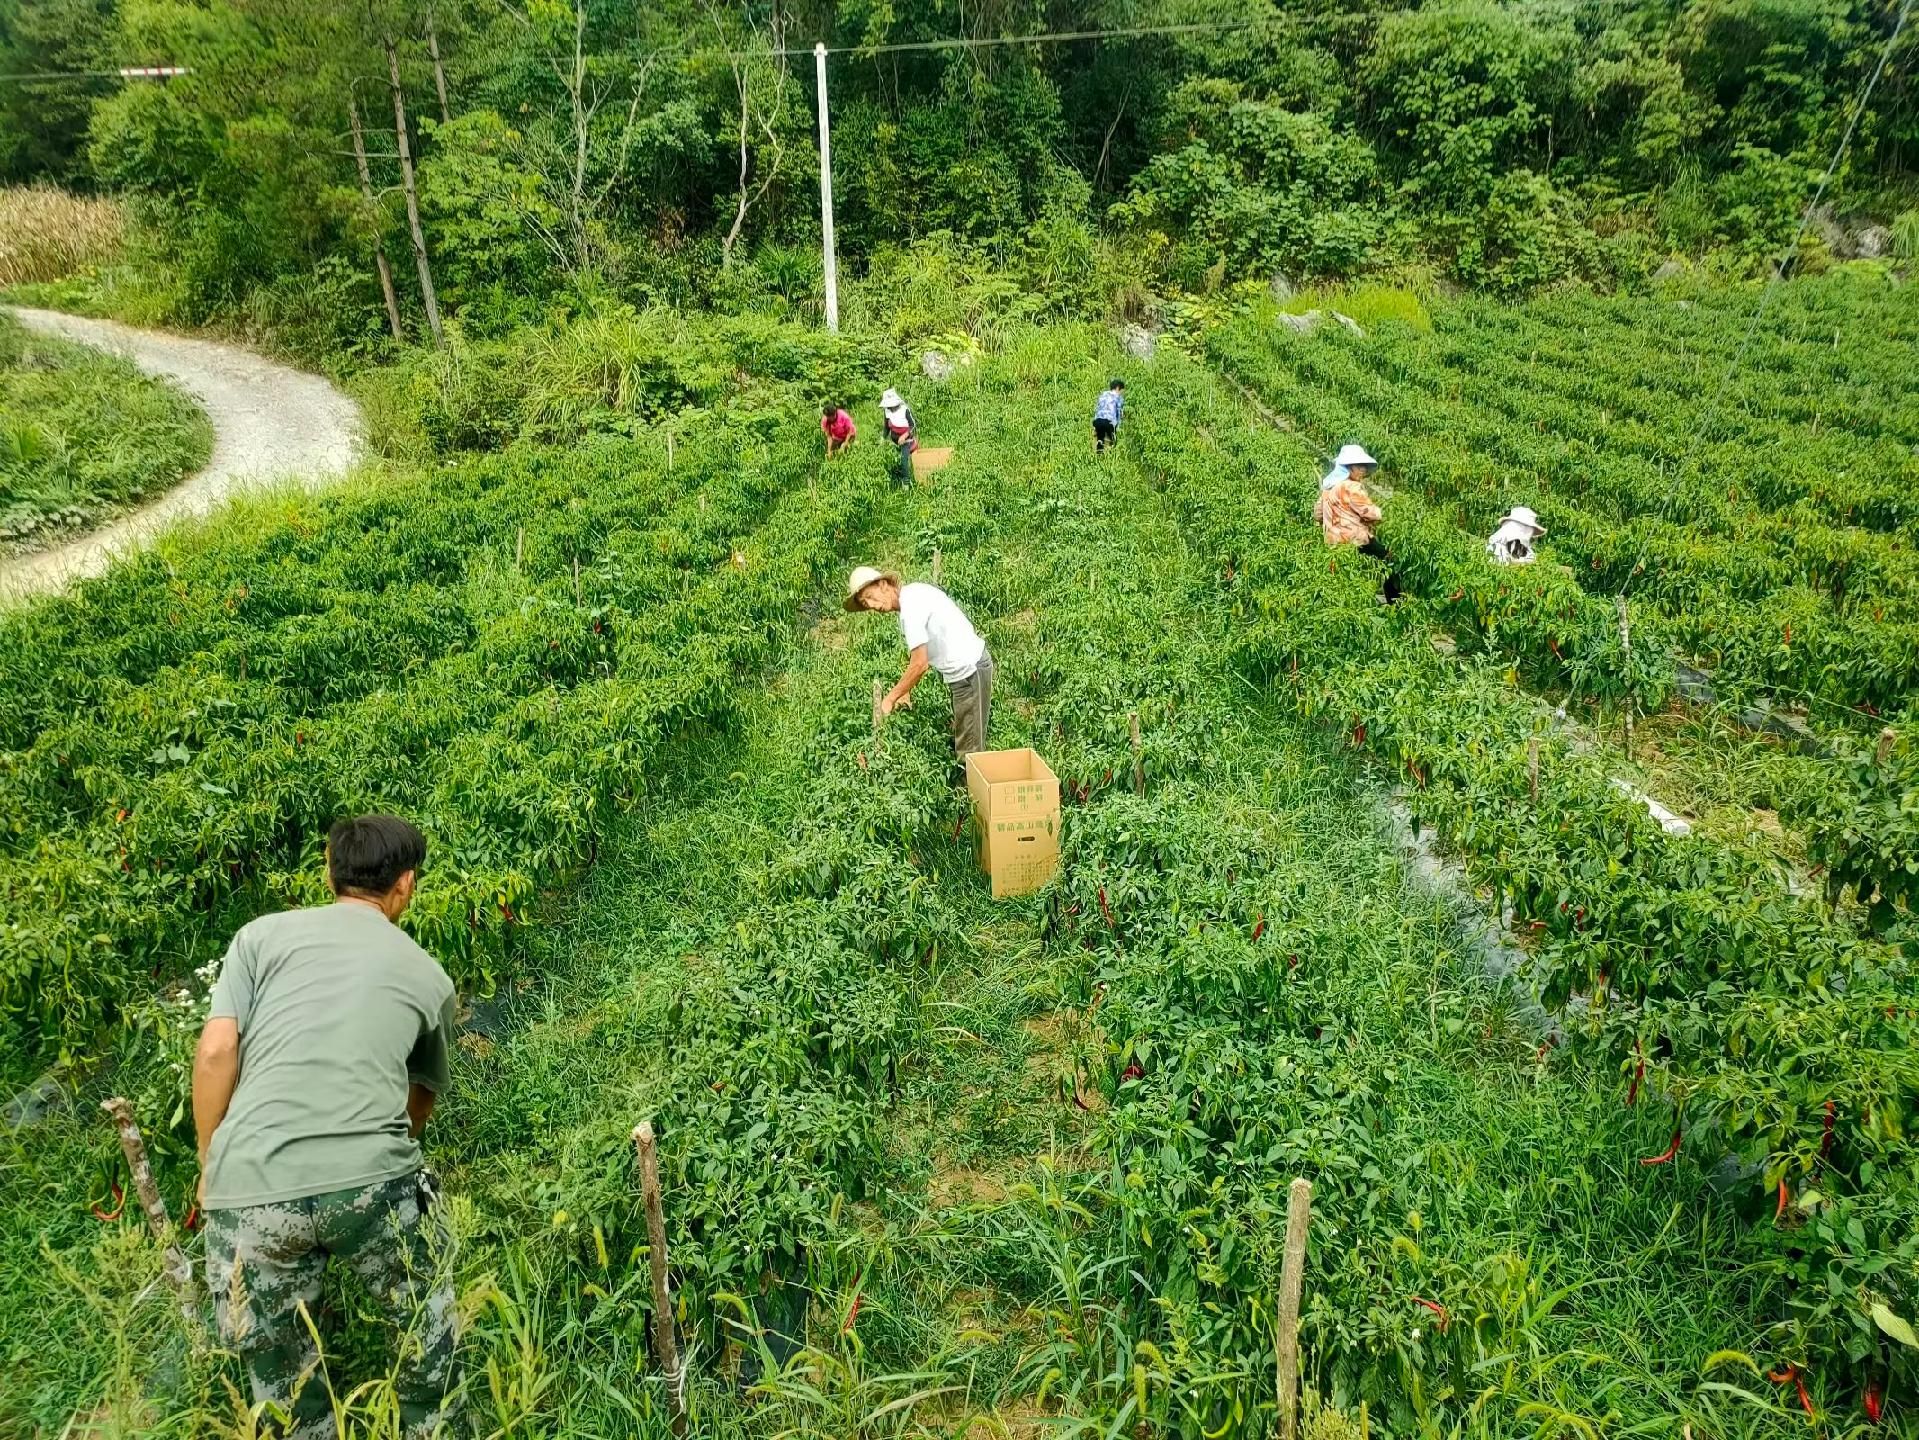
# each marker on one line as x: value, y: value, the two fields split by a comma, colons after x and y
x: 324, y: 1048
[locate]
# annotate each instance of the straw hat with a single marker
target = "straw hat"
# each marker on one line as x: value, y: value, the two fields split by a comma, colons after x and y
x: 1350, y: 455
x: 1523, y: 515
x: 857, y: 582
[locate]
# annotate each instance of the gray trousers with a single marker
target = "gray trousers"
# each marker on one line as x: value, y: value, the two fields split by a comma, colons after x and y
x: 972, y: 708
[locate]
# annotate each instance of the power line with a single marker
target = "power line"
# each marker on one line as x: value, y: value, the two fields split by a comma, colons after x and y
x: 1050, y: 37
x: 125, y: 72
x: 44, y: 75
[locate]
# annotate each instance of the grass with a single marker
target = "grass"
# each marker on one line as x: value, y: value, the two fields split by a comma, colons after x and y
x: 1036, y: 1245
x: 47, y: 234
x: 83, y: 433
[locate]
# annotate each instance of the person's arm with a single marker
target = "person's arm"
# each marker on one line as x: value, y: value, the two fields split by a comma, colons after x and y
x: 916, y: 666
x: 419, y: 1107
x: 1369, y: 512
x: 216, y: 1075
x: 429, y: 1069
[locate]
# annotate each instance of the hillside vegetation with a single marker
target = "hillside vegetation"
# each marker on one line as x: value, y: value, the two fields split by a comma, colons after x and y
x: 581, y: 150
x: 1609, y: 1117
x: 950, y: 1162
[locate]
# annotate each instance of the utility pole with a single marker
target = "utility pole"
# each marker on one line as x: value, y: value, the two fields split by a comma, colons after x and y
x: 826, y: 197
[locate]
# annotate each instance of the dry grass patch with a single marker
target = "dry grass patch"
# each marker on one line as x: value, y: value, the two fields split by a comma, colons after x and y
x: 47, y: 234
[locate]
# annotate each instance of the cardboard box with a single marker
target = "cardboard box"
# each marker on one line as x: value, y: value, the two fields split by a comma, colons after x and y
x: 1016, y: 817
x: 925, y: 461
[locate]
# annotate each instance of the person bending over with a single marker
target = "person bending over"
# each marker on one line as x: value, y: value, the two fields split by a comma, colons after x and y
x: 324, y: 1049
x: 938, y: 637
x: 839, y: 429
x: 1107, y: 412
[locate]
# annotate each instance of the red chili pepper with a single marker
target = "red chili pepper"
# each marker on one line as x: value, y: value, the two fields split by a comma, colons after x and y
x: 1638, y: 1073
x: 119, y: 817
x: 1454, y: 597
x: 1359, y: 733
x: 1783, y: 1377
x: 1789, y: 641
x: 1259, y: 926
x: 1553, y: 645
x: 1540, y: 1054
x: 1292, y: 961
x: 192, y: 1222
x: 1779, y: 1212
x: 1436, y: 1308
x: 1107, y: 910
x: 1805, y: 1400
x: 1875, y: 1402
x: 120, y: 1204
x: 1670, y: 1151
x: 1131, y: 1072
x: 859, y: 1299
x: 959, y: 824
x: 1825, y: 1142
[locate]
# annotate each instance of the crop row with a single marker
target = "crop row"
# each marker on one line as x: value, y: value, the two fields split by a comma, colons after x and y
x: 1837, y: 338
x: 499, y: 649
x: 1778, y: 1031
x: 1761, y: 622
x: 1569, y: 450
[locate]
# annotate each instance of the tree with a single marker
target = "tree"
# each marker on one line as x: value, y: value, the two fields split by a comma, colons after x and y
x: 760, y: 78
x: 43, y: 123
x: 580, y: 173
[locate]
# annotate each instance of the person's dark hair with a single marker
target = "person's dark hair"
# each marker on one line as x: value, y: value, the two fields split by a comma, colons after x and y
x: 1117, y: 385
x: 829, y: 409
x: 368, y: 855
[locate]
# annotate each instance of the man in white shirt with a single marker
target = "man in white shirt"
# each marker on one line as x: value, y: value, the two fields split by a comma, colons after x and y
x: 938, y: 637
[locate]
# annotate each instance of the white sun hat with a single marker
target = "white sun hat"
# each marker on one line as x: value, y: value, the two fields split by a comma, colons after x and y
x: 891, y: 400
x: 1523, y: 515
x: 857, y: 582
x: 1350, y: 455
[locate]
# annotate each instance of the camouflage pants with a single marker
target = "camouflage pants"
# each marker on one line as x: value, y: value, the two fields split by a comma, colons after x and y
x: 264, y: 1267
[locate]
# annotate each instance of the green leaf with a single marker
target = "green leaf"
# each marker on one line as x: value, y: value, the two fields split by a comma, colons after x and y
x: 1895, y: 1326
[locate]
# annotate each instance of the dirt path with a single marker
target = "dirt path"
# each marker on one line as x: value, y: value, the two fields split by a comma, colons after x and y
x: 270, y: 422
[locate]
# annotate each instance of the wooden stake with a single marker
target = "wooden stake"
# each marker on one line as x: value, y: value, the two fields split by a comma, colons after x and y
x: 579, y: 595
x: 1625, y: 645
x: 665, y: 1348
x: 1139, y: 765
x: 879, y: 694
x: 1886, y: 737
x: 669, y: 453
x: 519, y: 548
x: 1299, y: 1213
x: 938, y: 566
x: 179, y: 1270
x: 1532, y: 769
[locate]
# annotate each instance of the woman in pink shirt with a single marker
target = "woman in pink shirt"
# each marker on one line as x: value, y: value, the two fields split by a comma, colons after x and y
x: 839, y: 429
